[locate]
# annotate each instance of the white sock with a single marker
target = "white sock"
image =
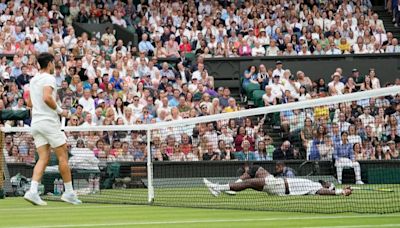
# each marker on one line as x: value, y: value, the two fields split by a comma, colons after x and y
x: 338, y: 192
x: 34, y: 186
x: 68, y: 187
x: 223, y: 187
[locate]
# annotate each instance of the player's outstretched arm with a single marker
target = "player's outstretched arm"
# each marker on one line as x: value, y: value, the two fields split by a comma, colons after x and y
x: 346, y: 191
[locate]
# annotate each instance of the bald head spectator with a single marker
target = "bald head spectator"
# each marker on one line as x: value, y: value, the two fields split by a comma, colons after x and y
x: 146, y: 45
x: 257, y: 50
x: 394, y: 47
x: 87, y: 102
x: 245, y: 154
x: 284, y: 152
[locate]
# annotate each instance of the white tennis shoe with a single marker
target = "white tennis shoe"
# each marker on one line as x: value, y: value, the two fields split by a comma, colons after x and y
x: 230, y: 192
x: 211, y: 187
x: 34, y: 198
x: 359, y: 182
x: 71, y: 198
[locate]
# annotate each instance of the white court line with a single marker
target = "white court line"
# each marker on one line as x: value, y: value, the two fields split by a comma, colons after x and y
x: 357, y: 226
x: 201, y: 221
x: 34, y: 208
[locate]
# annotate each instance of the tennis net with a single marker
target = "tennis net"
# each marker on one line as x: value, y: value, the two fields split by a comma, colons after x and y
x: 165, y: 163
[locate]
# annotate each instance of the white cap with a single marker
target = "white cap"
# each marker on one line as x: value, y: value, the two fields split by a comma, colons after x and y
x: 6, y: 75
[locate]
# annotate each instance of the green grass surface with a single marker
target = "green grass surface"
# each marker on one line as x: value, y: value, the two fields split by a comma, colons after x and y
x: 15, y: 212
x: 175, y: 203
x: 199, y: 197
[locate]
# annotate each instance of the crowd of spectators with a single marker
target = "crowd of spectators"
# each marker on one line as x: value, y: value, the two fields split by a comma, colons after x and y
x: 209, y: 28
x: 262, y: 28
x: 107, y: 82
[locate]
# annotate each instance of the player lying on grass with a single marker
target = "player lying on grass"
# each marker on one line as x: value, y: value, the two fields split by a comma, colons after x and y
x: 257, y: 178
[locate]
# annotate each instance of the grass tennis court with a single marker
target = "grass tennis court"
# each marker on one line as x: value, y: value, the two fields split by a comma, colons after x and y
x: 15, y: 212
x: 171, y: 202
x: 198, y: 196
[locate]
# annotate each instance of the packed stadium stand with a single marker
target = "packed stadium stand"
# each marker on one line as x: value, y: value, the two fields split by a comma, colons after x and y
x: 160, y: 75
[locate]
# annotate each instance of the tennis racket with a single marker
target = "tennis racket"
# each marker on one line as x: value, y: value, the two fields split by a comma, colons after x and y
x: 373, y: 189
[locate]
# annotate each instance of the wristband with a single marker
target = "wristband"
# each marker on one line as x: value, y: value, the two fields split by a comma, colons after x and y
x: 59, y: 110
x: 338, y: 191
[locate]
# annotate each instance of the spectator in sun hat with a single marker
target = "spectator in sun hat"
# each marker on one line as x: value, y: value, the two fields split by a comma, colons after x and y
x: 336, y: 87
x: 278, y: 69
x: 5, y: 76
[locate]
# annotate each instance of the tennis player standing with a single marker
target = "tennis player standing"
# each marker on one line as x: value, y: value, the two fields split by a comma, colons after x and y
x: 46, y: 130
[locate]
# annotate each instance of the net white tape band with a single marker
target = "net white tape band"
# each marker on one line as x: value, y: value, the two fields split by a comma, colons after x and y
x: 393, y: 90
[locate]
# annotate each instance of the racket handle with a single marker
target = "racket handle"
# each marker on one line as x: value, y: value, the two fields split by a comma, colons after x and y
x: 355, y: 188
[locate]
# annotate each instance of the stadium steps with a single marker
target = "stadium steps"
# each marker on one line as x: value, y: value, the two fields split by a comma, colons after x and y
x: 137, y: 173
x: 387, y: 21
x: 278, y: 137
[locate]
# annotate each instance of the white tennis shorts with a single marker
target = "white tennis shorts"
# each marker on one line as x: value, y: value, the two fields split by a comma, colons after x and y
x: 46, y: 132
x: 274, y: 186
x: 297, y: 186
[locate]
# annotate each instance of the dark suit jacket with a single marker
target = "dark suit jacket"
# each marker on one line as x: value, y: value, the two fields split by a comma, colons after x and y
x: 187, y: 74
x: 22, y: 80
x: 280, y: 155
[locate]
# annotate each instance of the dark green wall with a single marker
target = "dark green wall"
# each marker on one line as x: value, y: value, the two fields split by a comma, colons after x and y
x: 120, y: 32
x: 227, y: 71
x: 222, y: 168
x: 387, y: 66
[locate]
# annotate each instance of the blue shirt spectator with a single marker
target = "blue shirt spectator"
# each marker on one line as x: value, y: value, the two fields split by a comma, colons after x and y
x: 344, y: 149
x: 117, y: 83
x: 16, y: 71
x: 249, y: 75
x: 314, y: 152
x: 42, y: 45
x: 173, y: 102
x: 262, y: 153
x: 281, y: 170
x: 245, y: 154
x: 145, y: 45
x: 138, y: 155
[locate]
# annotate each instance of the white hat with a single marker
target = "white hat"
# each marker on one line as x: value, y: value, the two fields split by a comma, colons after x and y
x: 6, y: 75
x: 335, y: 74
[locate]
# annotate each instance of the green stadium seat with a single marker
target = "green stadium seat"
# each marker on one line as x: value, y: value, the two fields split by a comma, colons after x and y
x: 250, y: 88
x: 191, y: 56
x: 257, y: 97
x: 112, y: 172
x: 276, y: 119
x: 331, y: 116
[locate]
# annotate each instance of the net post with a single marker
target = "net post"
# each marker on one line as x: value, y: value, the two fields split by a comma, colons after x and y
x: 2, y: 162
x: 150, y: 189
